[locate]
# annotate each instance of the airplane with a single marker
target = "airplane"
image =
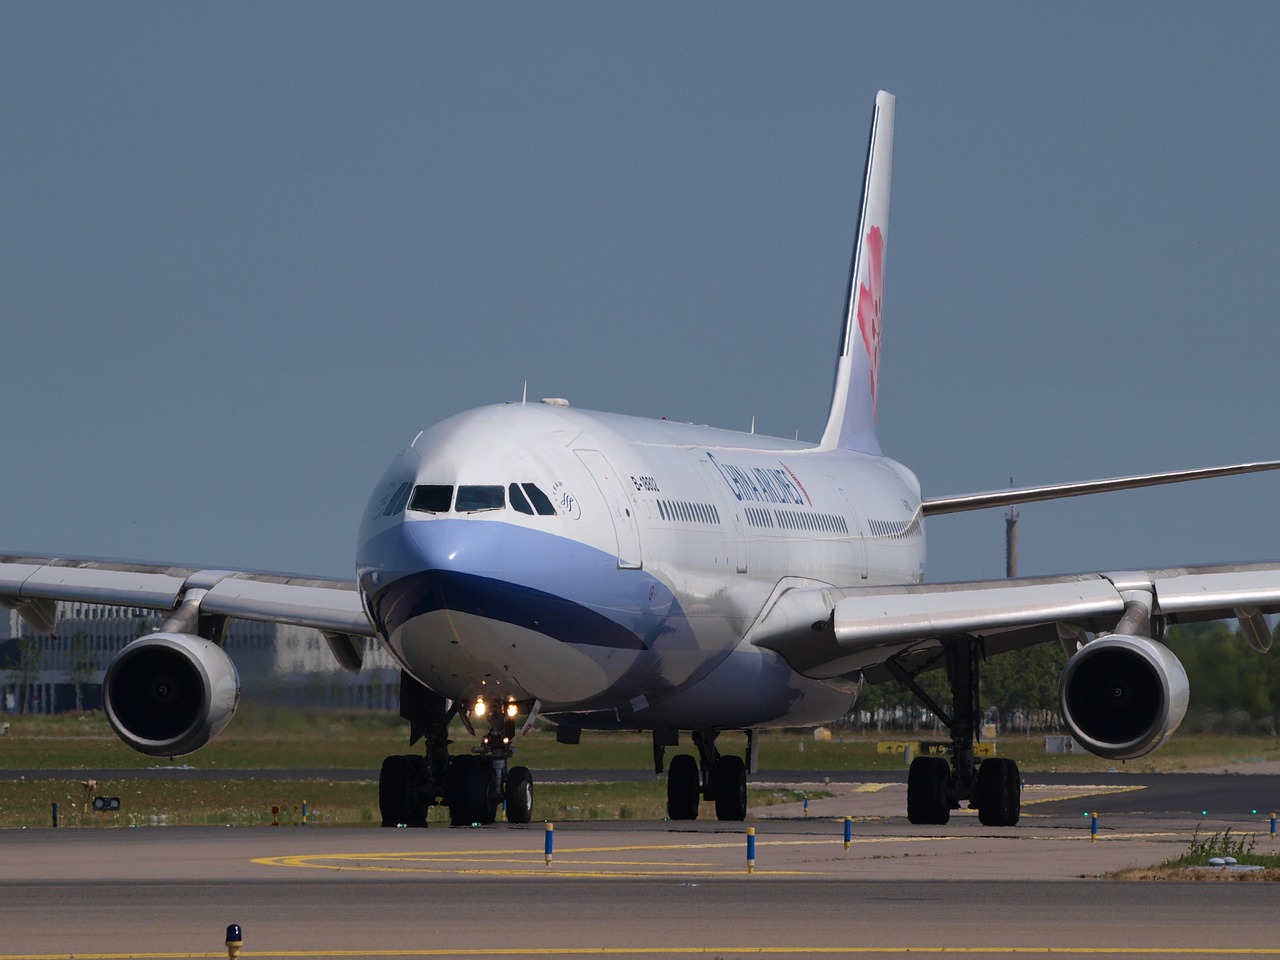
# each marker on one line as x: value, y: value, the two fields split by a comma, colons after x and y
x: 607, y: 572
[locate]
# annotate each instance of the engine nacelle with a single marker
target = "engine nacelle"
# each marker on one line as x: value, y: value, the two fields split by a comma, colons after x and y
x: 167, y: 694
x: 1122, y: 695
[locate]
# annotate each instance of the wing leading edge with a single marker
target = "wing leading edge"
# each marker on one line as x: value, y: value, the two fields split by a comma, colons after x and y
x: 830, y: 632
x: 31, y: 585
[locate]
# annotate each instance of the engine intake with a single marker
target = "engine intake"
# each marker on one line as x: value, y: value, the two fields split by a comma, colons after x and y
x: 1121, y: 696
x: 167, y: 694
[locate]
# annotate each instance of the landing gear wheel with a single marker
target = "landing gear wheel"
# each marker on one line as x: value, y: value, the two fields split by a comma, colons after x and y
x: 400, y: 785
x: 999, y: 792
x: 467, y: 792
x: 927, y: 801
x: 684, y: 785
x: 519, y: 795
x: 393, y: 785
x: 730, y: 781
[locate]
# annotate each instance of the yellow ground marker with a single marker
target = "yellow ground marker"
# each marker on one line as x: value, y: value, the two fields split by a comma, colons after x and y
x: 1032, y: 949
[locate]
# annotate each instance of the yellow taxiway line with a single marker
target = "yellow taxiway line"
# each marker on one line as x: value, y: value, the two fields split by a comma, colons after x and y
x: 681, y: 951
x: 588, y: 861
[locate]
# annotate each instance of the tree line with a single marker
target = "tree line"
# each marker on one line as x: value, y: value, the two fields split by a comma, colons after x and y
x: 1234, y: 689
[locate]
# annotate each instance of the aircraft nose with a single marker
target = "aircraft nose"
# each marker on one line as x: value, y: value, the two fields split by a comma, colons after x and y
x: 460, y: 546
x: 446, y: 545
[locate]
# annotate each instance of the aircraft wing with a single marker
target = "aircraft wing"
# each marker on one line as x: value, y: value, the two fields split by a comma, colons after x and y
x: 826, y: 632
x: 32, y: 584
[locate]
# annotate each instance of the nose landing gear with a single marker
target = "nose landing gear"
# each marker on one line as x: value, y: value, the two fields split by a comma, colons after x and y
x: 473, y: 785
x: 476, y: 785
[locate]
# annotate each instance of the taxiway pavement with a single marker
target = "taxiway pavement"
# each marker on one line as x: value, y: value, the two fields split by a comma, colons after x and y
x: 654, y: 889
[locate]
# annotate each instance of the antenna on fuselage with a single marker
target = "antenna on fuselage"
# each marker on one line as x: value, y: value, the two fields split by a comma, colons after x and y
x: 524, y: 394
x: 753, y: 425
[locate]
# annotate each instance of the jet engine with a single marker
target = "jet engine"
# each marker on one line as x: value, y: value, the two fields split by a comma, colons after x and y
x: 167, y: 694
x: 1122, y: 695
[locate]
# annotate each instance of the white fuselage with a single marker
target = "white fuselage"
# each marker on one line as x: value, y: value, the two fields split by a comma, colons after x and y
x: 660, y: 546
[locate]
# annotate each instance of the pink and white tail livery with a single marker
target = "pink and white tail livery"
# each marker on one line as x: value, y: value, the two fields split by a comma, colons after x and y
x: 851, y: 425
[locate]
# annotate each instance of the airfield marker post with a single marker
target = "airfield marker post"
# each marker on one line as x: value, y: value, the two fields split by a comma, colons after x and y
x: 848, y: 832
x: 549, y: 842
x: 1273, y: 826
x: 1093, y: 827
x: 55, y: 815
x: 751, y: 849
x: 304, y: 813
x: 235, y: 940
x: 806, y: 806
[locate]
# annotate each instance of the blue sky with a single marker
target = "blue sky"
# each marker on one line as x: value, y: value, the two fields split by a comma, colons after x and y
x: 248, y: 250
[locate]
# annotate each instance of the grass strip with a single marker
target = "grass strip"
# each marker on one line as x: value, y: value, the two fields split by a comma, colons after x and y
x: 248, y: 803
x: 263, y: 737
x: 1242, y: 848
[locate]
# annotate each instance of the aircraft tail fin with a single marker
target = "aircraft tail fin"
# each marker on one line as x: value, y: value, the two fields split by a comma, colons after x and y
x: 851, y: 424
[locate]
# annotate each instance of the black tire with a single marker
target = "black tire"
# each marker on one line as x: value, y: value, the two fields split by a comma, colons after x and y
x: 684, y: 788
x: 730, y: 785
x: 467, y: 791
x: 999, y: 792
x: 455, y: 789
x: 419, y: 800
x: 927, y: 801
x: 393, y: 791
x: 402, y: 796
x: 519, y: 795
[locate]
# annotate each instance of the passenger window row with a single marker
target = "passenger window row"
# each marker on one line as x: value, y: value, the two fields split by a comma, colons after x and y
x: 475, y: 497
x: 759, y: 517
x: 898, y: 530
x: 817, y: 522
x: 685, y: 511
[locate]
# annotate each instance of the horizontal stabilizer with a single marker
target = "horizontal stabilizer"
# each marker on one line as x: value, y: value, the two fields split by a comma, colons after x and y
x: 1057, y: 491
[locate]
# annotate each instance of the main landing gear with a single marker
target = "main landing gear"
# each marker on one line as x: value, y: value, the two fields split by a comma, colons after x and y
x: 473, y: 786
x: 713, y: 776
x: 934, y: 787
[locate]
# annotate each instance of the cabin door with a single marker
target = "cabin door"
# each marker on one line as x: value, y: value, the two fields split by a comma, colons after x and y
x: 626, y: 525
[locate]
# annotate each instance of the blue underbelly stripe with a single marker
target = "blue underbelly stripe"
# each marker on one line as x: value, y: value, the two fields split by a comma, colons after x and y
x: 556, y: 617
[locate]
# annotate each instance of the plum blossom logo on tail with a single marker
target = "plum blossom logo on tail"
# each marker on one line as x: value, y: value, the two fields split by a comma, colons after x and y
x: 870, y: 295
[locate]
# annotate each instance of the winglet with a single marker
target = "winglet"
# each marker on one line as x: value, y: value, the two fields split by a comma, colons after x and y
x: 851, y: 424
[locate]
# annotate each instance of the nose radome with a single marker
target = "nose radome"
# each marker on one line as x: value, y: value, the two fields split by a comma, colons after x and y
x: 461, y: 546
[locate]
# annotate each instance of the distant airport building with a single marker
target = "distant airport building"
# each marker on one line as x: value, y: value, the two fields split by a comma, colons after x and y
x: 277, y: 663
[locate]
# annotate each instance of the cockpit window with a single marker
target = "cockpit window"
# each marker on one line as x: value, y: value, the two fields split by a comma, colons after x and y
x: 473, y: 497
x: 431, y: 498
x: 519, y: 501
x: 397, y: 501
x: 525, y: 498
x: 540, y: 501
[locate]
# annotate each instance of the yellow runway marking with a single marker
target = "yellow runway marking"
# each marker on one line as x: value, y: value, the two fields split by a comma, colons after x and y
x: 682, y: 951
x: 594, y: 861
x: 1085, y: 791
x: 871, y: 787
x: 575, y: 862
x: 427, y: 856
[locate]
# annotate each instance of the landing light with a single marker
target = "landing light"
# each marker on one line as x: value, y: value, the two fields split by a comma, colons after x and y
x: 511, y: 709
x: 479, y: 709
